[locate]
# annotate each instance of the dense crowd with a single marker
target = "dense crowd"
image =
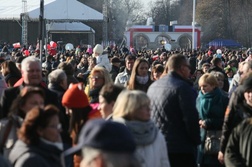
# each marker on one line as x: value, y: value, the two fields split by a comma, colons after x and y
x: 116, y: 107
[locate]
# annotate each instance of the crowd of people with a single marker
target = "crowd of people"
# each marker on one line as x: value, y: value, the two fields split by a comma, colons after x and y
x: 111, y: 107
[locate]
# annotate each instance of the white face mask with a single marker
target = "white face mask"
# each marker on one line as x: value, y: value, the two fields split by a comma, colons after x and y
x: 142, y: 80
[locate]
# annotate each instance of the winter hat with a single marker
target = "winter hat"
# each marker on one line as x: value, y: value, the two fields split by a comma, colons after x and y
x: 75, y: 97
x: 98, y: 49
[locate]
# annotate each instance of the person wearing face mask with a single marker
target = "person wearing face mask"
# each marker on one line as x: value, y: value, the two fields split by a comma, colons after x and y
x: 140, y: 76
x: 211, y: 104
x: 39, y: 142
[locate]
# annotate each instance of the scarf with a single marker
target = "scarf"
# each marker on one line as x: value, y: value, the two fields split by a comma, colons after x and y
x: 144, y: 133
x: 142, y: 80
x: 94, y: 95
x: 205, y: 103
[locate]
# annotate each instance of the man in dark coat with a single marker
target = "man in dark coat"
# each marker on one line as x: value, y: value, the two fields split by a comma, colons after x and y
x: 32, y: 75
x: 173, y: 110
x: 237, y: 110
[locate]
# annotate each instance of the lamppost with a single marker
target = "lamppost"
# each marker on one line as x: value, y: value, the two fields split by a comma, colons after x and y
x: 193, y: 25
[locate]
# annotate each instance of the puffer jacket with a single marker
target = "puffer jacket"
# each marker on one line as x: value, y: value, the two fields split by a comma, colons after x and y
x: 173, y: 102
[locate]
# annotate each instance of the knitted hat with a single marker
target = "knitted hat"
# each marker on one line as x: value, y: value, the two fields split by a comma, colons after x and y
x: 75, y: 97
x: 98, y: 49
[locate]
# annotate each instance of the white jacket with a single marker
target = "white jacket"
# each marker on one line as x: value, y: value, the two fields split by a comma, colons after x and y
x: 103, y: 61
x: 150, y: 153
x: 155, y: 154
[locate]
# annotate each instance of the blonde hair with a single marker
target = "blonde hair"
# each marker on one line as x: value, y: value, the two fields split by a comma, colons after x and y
x: 103, y: 72
x: 129, y: 103
x: 209, y: 79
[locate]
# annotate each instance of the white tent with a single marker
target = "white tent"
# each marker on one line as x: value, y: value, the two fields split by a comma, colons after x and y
x: 74, y: 27
x: 55, y: 10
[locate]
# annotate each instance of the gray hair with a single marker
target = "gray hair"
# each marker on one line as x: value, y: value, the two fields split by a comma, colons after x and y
x: 110, y: 159
x: 56, y: 76
x: 31, y: 59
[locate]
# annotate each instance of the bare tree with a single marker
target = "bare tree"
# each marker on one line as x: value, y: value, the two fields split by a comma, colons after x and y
x: 119, y: 13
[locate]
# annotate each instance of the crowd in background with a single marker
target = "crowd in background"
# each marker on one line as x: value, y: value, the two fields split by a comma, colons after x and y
x: 167, y: 100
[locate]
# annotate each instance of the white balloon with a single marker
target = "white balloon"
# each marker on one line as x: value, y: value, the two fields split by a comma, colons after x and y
x: 167, y: 47
x: 69, y: 46
x: 51, y: 43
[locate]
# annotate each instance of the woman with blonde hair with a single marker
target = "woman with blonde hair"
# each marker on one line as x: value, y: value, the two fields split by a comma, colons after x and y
x: 211, y: 104
x: 133, y: 110
x: 99, y: 76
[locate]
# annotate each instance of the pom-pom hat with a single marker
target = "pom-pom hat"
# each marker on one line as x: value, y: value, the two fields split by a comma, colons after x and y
x: 75, y: 97
x: 98, y: 49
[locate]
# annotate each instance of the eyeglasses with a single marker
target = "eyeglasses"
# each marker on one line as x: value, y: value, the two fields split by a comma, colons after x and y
x: 96, y: 77
x: 58, y: 127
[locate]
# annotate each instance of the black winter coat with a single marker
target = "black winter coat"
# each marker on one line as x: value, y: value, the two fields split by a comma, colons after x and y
x: 174, y: 112
x: 237, y: 111
x: 238, y: 152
